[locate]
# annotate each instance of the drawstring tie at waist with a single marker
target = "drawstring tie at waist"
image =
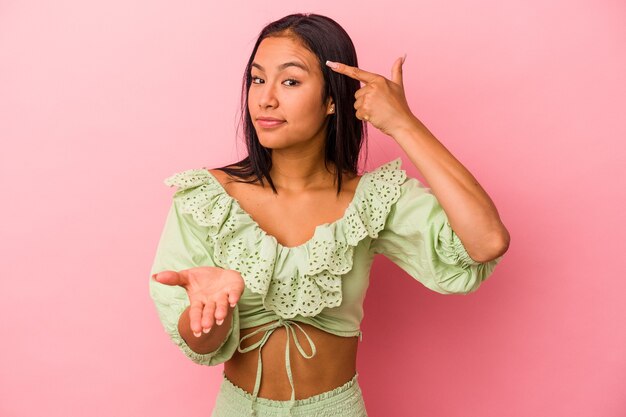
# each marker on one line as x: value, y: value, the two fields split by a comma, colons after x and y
x: 269, y: 329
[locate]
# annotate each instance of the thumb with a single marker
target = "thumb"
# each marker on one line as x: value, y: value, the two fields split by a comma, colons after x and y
x: 169, y: 278
x: 396, y: 71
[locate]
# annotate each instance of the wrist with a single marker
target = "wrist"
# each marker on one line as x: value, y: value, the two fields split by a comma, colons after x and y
x: 410, y: 124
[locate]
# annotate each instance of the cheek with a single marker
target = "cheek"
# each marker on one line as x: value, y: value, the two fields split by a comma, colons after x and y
x: 307, y: 108
x: 252, y: 101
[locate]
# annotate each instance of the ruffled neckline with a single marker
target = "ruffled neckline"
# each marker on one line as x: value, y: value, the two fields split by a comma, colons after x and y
x: 261, y: 231
x: 292, y: 280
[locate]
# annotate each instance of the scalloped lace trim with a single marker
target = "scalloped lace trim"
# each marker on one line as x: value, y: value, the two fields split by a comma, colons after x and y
x: 239, y: 243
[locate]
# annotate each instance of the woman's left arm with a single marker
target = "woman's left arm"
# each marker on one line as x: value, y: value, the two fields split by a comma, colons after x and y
x: 470, y: 211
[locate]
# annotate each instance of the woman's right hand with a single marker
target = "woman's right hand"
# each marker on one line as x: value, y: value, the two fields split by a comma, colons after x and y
x: 210, y: 290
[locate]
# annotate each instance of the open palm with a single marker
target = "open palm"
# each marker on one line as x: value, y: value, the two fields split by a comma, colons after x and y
x: 210, y: 290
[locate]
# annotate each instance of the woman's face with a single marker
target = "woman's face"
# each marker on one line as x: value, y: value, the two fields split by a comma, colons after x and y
x: 287, y: 84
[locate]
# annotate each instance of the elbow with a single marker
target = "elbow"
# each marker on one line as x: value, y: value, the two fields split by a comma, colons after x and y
x: 499, y: 242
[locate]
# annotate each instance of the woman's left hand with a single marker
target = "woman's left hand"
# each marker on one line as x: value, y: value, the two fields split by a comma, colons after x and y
x: 380, y: 101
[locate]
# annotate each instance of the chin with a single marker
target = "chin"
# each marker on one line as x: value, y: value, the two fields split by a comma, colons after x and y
x: 270, y: 144
x: 275, y: 143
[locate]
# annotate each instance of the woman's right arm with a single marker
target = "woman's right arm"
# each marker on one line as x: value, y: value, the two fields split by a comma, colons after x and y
x: 183, y: 247
x: 207, y: 342
x: 207, y: 320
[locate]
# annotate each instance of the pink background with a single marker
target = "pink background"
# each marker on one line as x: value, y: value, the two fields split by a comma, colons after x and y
x: 100, y: 101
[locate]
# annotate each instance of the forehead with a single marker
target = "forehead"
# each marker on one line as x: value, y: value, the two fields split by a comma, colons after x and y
x: 274, y: 51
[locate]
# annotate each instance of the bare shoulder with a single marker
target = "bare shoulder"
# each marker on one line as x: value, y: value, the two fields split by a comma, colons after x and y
x: 351, y: 181
x: 233, y: 185
x: 221, y: 176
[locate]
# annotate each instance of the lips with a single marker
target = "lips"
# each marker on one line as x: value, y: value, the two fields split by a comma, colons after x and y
x: 268, y: 122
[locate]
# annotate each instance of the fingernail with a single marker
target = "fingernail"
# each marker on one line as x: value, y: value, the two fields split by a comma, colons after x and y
x: 154, y: 276
x: 219, y: 322
x: 197, y: 334
x: 404, y: 57
x: 206, y: 330
x: 332, y: 64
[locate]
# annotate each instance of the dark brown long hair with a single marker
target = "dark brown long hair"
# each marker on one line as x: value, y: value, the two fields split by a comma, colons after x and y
x: 345, y: 133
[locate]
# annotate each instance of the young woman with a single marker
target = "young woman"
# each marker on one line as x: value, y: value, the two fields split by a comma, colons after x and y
x: 263, y: 265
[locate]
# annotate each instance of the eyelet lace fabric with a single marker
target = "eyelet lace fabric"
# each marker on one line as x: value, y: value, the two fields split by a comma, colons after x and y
x: 314, y: 282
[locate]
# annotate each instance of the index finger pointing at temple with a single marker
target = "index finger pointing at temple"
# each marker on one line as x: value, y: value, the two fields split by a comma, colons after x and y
x: 352, y: 72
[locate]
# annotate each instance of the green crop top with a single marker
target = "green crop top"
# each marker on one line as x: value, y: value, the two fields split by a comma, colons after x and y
x: 322, y: 282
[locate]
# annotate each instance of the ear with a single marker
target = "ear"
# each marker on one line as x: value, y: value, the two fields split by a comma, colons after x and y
x: 330, y: 106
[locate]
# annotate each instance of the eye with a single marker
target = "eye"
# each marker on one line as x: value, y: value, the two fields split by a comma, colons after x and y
x: 293, y: 83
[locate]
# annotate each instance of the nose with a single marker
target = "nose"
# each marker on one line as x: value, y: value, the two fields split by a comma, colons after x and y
x: 267, y: 97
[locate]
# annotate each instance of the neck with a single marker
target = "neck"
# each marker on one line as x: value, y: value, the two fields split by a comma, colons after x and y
x: 300, y: 172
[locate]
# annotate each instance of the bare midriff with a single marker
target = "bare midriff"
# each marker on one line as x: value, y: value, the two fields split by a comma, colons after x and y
x: 333, y: 365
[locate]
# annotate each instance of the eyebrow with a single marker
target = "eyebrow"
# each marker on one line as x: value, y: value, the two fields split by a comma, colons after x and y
x: 283, y: 66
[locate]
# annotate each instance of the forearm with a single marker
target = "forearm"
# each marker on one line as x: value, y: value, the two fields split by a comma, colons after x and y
x: 471, y: 212
x: 207, y: 342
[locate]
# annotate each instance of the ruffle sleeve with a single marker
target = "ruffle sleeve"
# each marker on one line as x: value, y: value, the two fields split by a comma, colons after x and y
x: 183, y: 245
x: 419, y: 239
